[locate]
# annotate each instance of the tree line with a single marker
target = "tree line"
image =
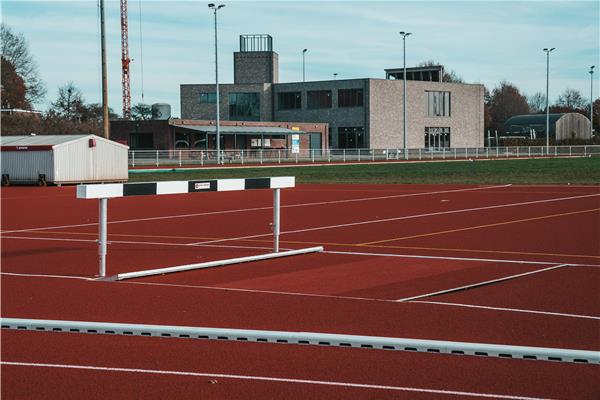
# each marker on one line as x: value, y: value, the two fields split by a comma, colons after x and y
x: 22, y: 88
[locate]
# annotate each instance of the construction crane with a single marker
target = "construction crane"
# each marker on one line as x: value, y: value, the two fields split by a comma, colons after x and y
x: 125, y: 60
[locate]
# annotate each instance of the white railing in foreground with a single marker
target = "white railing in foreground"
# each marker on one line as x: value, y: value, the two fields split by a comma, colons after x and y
x: 156, y: 158
x: 309, y: 338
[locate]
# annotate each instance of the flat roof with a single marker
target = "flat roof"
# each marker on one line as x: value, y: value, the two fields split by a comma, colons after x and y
x: 240, y: 130
x: 38, y: 140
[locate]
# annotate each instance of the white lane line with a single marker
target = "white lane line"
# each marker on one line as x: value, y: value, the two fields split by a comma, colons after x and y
x: 259, y: 208
x: 474, y: 285
x: 270, y: 379
x: 374, y: 221
x: 47, y: 276
x: 518, y: 310
x: 139, y: 243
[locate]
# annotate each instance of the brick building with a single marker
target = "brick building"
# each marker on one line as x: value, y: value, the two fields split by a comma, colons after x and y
x: 360, y: 113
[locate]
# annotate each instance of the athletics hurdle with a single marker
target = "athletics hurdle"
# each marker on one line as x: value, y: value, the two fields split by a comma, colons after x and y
x: 103, y: 192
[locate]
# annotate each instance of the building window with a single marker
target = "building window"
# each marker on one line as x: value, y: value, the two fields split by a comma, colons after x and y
x: 244, y: 106
x: 437, y: 138
x: 351, y: 138
x: 208, y: 98
x: 289, y: 100
x: 318, y: 99
x: 141, y: 141
x: 438, y: 104
x: 350, y: 98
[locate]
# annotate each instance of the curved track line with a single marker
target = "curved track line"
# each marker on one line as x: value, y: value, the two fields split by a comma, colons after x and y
x: 268, y: 379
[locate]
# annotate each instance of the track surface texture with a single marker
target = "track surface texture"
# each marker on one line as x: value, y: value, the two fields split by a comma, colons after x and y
x: 495, y: 264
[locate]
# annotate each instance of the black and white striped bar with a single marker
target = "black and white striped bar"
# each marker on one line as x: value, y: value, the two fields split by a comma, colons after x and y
x: 310, y: 338
x: 112, y: 190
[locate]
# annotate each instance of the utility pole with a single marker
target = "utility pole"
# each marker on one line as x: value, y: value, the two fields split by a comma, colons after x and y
x: 216, y: 8
x: 105, y: 121
x: 547, y: 103
x: 592, y: 101
x: 404, y: 35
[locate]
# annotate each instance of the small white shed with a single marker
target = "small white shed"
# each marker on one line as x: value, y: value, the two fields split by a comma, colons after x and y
x: 62, y: 159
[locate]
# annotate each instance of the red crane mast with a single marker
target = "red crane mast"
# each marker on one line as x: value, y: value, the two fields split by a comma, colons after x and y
x: 125, y: 62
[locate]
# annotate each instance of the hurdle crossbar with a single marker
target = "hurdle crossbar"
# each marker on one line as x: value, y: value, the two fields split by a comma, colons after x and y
x: 104, y: 192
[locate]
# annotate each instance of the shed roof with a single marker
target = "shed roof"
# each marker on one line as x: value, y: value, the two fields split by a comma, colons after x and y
x: 241, y: 130
x: 38, y: 140
x: 533, y: 119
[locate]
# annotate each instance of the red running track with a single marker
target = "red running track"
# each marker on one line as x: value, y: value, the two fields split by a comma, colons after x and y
x: 462, y: 235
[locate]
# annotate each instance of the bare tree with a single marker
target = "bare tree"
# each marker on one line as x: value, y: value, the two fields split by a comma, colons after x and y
x: 69, y: 103
x: 506, y: 101
x: 537, y: 102
x: 141, y: 111
x: 16, y: 50
x: 571, y: 99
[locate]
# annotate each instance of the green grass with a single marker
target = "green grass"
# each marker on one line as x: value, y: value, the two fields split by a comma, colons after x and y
x: 525, y: 171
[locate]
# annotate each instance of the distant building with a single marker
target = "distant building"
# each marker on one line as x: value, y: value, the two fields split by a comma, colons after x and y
x: 361, y: 113
x: 562, y: 126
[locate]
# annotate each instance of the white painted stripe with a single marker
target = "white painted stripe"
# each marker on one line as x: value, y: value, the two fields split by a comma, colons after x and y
x: 474, y: 285
x: 97, y: 191
x: 519, y: 310
x: 47, y: 276
x: 257, y: 209
x: 218, y: 263
x: 224, y: 185
x: 173, y: 187
x: 282, y: 182
x: 271, y: 379
x: 375, y: 221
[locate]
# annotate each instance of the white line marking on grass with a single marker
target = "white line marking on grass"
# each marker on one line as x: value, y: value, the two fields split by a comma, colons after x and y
x: 257, y: 209
x: 519, y: 310
x: 474, y: 285
x: 269, y: 379
x: 374, y: 221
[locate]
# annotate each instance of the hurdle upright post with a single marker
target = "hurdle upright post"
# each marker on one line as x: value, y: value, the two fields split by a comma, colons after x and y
x: 102, y: 233
x: 276, y: 218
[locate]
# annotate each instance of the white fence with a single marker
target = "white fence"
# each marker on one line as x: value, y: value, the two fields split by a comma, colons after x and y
x: 157, y: 158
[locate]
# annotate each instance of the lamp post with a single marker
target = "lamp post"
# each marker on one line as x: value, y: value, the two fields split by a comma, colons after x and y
x: 404, y: 35
x: 215, y: 8
x: 592, y: 100
x: 547, y: 88
x: 304, y: 65
x: 335, y: 74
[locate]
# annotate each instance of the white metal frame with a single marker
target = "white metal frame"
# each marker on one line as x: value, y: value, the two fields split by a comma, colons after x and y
x: 310, y: 338
x: 104, y: 192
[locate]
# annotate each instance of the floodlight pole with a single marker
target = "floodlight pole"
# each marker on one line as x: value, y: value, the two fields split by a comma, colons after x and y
x: 404, y: 35
x: 304, y: 65
x: 218, y: 133
x: 592, y: 101
x: 547, y: 99
x: 105, y: 114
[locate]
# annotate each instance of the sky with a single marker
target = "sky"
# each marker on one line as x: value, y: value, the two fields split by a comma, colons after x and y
x: 172, y: 42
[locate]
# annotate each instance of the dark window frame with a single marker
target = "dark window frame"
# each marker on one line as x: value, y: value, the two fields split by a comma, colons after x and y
x: 289, y: 100
x: 351, y: 137
x: 244, y: 106
x: 318, y: 99
x: 350, y: 97
x: 208, y: 98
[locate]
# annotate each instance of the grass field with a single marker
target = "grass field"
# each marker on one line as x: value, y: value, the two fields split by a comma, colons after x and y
x: 524, y: 171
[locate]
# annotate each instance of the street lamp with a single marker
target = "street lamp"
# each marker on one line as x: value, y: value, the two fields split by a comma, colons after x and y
x: 547, y: 87
x: 335, y: 74
x: 592, y: 100
x: 404, y: 35
x: 304, y: 65
x: 215, y: 8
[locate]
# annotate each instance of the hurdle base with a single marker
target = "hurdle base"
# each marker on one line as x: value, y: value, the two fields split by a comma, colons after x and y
x: 212, y: 264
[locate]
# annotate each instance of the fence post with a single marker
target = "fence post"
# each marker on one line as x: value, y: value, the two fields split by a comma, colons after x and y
x: 443, y: 153
x: 466, y: 153
x: 261, y: 155
x: 344, y: 155
x: 133, y: 158
x: 584, y: 151
x: 555, y: 151
x: 276, y: 219
x: 476, y: 152
x: 497, y: 152
x: 455, y: 153
x: 373, y: 153
x: 358, y: 154
x: 312, y: 155
x: 242, y: 156
x: 296, y: 158
x: 397, y: 154
x: 529, y: 151
x: 180, y: 158
x: 278, y: 156
x: 419, y: 154
x: 328, y: 155
x: 570, y: 151
x: 517, y: 151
